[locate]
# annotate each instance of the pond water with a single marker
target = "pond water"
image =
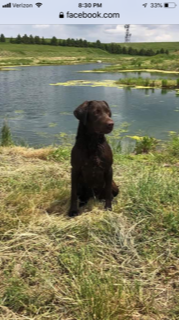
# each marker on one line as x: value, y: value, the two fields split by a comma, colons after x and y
x: 37, y: 112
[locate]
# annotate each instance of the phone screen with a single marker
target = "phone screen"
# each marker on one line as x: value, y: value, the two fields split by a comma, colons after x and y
x: 89, y: 120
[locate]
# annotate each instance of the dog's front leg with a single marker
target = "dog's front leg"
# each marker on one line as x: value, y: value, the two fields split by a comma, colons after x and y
x: 108, y: 189
x: 74, y: 184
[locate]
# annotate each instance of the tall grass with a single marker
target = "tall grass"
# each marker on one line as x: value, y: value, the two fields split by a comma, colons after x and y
x: 145, y: 145
x: 24, y: 54
x: 100, y: 265
x: 6, y: 137
x: 146, y: 82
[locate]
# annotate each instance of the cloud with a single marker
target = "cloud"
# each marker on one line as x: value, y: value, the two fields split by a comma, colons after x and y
x: 104, y: 33
x: 119, y: 29
x: 41, y: 26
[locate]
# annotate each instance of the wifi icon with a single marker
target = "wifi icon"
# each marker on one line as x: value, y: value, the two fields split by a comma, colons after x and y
x: 38, y: 4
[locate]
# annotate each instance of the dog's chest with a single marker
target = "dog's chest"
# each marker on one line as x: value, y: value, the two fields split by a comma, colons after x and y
x: 93, y: 170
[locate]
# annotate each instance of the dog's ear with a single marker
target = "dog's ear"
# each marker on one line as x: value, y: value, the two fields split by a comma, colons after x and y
x: 81, y: 112
x: 108, y: 107
x: 106, y: 103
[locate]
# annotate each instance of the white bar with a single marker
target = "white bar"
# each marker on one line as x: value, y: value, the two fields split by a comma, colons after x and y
x: 117, y: 12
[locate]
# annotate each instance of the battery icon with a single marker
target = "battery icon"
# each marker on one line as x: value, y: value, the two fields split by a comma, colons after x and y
x: 170, y: 5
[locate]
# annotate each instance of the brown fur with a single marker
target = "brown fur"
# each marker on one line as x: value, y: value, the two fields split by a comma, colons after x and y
x: 91, y: 156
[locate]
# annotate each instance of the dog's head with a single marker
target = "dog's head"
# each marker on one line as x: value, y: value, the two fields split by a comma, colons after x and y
x: 96, y: 116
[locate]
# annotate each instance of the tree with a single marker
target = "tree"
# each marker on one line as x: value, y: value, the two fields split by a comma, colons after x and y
x: 98, y: 44
x: 150, y: 52
x: 119, y: 50
x: 85, y: 43
x: 130, y: 50
x: 43, y: 41
x: 54, y: 41
x: 114, y: 48
x: 69, y: 42
x: 2, y: 38
x: 25, y: 39
x: 124, y: 50
x: 60, y: 42
x: 37, y: 40
x: 107, y: 47
x: 18, y: 40
x: 142, y: 52
x: 80, y: 42
x: 63, y: 43
x: 31, y: 39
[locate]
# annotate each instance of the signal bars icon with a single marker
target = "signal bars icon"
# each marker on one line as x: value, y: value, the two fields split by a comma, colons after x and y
x: 38, y: 4
x: 145, y: 5
x: 7, y: 5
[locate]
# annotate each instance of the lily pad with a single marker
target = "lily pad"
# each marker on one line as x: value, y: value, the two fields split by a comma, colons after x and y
x: 85, y: 83
x: 66, y: 113
x: 135, y: 138
x: 52, y: 125
x: 19, y: 111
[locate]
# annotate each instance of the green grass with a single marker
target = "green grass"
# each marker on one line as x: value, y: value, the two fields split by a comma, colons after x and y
x: 23, y: 54
x: 167, y: 63
x: 151, y: 83
x: 20, y: 54
x: 100, y: 265
x: 171, y: 46
x: 6, y: 138
x: 48, y: 50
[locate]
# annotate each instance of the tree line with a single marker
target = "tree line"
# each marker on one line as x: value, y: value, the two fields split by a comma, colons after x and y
x: 70, y: 42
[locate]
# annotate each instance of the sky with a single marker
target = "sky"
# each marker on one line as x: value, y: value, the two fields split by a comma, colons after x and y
x: 104, y: 33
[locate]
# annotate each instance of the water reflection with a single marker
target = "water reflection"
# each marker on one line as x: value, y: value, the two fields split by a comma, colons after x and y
x: 38, y: 112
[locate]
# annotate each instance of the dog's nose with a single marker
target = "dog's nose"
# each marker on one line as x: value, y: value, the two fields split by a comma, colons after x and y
x: 110, y: 125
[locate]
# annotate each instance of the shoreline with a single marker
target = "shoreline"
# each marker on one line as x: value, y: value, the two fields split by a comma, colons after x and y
x: 7, y: 67
x: 135, y: 70
x: 112, y: 84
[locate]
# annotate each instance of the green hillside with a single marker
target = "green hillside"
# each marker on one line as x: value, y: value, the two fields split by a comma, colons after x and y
x: 35, y: 50
x: 33, y: 54
x: 24, y: 54
x: 171, y: 46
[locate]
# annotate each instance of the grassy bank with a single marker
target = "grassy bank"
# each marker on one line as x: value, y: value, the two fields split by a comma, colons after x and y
x: 21, y: 54
x: 138, y: 83
x: 159, y: 63
x: 149, y: 83
x: 24, y: 54
x: 100, y: 265
x: 171, y: 46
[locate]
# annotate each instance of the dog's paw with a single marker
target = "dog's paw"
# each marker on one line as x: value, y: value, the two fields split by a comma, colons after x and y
x: 73, y: 213
x: 82, y: 203
x: 109, y: 208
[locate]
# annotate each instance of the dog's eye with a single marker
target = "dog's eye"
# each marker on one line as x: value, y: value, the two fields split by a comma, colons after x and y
x: 98, y: 111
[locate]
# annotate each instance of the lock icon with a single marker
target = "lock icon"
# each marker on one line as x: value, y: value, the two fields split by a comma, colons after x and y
x: 61, y: 15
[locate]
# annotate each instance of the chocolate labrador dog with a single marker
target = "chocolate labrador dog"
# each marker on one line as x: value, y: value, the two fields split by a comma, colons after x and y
x: 91, y: 157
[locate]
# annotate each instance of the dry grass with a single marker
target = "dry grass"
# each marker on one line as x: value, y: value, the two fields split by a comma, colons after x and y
x: 41, y: 153
x: 100, y: 265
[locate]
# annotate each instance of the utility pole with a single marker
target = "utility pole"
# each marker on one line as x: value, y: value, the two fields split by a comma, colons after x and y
x: 128, y: 34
